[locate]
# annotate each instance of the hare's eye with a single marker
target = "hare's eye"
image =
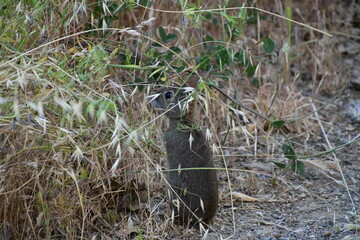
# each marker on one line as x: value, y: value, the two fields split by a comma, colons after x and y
x: 168, y: 95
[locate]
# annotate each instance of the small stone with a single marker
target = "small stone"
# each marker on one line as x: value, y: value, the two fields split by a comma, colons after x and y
x: 303, y: 195
x: 356, y: 83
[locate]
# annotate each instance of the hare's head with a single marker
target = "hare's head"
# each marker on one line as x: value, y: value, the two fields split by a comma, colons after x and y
x: 172, y: 100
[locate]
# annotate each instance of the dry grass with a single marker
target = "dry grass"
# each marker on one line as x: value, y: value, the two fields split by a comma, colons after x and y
x: 81, y: 154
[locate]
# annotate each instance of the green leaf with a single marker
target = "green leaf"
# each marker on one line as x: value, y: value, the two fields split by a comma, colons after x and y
x: 215, y: 21
x: 169, y: 55
x: 40, y: 199
x: 185, y: 192
x: 222, y: 56
x: 139, y: 80
x: 212, y: 83
x: 250, y: 70
x: 241, y: 57
x: 170, y: 37
x: 156, y: 71
x: 162, y: 34
x: 274, y: 180
x: 144, y: 3
x: 111, y: 106
x: 228, y: 17
x: 243, y: 14
x: 257, y: 82
x: 280, y: 165
x: 268, y: 45
x: 201, y: 85
x: 228, y: 72
x: 208, y: 16
x: 97, y: 11
x: 288, y: 151
x: 203, y: 62
x: 180, y: 69
x: 165, y: 38
x: 278, y: 124
x: 298, y: 167
x: 91, y: 107
x: 84, y: 174
x: 176, y: 49
x: 209, y: 38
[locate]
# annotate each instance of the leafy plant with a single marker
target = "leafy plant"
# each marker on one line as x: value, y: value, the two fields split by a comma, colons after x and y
x: 78, y: 141
x: 166, y: 38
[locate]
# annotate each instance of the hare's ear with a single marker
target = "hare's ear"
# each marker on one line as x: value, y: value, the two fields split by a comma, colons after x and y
x: 190, y: 80
x: 193, y: 80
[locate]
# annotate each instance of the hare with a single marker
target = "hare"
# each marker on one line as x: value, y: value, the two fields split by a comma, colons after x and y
x: 193, y: 192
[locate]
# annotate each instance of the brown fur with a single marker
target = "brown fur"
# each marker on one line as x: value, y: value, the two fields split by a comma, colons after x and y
x: 192, y: 186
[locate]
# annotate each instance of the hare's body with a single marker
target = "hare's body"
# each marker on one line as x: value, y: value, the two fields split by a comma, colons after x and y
x: 195, y: 191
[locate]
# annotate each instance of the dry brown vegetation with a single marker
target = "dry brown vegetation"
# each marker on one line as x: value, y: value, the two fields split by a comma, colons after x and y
x: 81, y: 154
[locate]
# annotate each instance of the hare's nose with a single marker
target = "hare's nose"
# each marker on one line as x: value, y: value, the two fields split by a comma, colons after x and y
x: 155, y: 104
